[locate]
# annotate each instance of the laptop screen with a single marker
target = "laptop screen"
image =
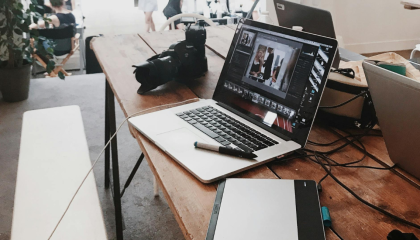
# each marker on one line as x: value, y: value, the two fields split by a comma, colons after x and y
x: 274, y: 77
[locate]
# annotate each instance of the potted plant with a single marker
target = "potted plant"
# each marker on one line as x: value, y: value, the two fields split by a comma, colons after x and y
x: 16, y: 50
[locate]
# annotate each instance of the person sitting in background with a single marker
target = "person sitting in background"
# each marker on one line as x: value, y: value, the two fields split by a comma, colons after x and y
x: 70, y: 4
x: 61, y: 18
x: 172, y: 9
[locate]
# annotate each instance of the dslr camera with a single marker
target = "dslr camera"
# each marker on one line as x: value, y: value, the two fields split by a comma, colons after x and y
x: 183, y: 61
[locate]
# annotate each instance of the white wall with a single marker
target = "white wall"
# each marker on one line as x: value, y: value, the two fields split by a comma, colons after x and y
x: 373, y: 25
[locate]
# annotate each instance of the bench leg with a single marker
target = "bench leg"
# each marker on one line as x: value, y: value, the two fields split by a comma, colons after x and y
x: 115, y: 167
x: 107, y: 136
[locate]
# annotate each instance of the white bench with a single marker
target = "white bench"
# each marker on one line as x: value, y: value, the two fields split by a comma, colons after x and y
x: 54, y: 159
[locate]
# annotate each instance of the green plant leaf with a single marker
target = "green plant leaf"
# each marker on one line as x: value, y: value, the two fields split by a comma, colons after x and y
x: 50, y: 66
x: 17, y: 31
x: 61, y: 75
x: 50, y: 50
x: 34, y: 2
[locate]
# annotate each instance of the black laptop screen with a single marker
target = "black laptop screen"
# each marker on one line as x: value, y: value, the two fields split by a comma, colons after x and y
x: 275, y: 77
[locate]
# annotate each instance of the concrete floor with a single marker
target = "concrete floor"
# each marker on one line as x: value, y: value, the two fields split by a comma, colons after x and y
x: 145, y: 217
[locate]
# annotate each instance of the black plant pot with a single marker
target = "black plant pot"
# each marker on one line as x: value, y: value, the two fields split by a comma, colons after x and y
x: 14, y: 83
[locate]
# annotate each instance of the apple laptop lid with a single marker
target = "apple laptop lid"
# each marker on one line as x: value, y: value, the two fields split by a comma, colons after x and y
x: 309, y: 19
x: 274, y: 77
x: 396, y: 99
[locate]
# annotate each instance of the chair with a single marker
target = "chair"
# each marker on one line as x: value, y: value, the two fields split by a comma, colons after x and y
x: 67, y: 43
x: 417, y: 49
x: 171, y: 20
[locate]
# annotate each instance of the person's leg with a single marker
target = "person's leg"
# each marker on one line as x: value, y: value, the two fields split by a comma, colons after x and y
x: 152, y: 23
x: 147, y: 16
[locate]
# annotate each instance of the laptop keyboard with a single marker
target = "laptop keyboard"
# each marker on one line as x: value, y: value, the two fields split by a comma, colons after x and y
x: 226, y: 130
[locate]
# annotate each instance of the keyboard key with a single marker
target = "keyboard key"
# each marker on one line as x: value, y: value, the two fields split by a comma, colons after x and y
x: 192, y: 121
x: 187, y: 119
x: 229, y: 138
x: 180, y: 114
x: 217, y: 125
x: 228, y: 131
x: 222, y: 134
x: 225, y: 143
x: 245, y: 148
x: 200, y: 121
x: 195, y: 112
x: 219, y: 139
x: 205, y: 130
x: 183, y: 116
x: 187, y: 112
x: 200, y: 109
x: 213, y: 128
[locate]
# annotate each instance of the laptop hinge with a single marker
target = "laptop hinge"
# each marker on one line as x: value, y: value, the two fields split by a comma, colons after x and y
x: 261, y: 125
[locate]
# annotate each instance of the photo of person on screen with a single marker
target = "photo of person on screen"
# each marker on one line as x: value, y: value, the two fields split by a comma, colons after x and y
x: 274, y: 72
x: 247, y: 38
x: 273, y: 81
x: 268, y: 63
x: 257, y: 64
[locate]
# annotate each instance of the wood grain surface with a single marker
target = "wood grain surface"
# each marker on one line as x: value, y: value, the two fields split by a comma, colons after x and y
x: 191, y: 201
x: 382, y: 188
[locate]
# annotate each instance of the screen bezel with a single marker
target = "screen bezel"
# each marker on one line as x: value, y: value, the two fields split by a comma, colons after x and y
x: 304, y: 35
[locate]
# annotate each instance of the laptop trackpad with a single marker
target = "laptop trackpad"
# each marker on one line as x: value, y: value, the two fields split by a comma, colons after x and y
x: 179, y: 140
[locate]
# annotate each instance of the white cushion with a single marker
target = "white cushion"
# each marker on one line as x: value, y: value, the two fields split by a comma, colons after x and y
x: 54, y: 159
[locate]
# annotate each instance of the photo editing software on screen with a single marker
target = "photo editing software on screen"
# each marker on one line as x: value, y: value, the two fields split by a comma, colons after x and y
x: 275, y: 79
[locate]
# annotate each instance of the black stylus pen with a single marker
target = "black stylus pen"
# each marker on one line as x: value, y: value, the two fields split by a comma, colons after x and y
x: 225, y: 150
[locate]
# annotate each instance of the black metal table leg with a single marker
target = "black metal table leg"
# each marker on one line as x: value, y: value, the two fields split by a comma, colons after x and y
x: 114, y: 158
x: 133, y: 172
x: 107, y: 136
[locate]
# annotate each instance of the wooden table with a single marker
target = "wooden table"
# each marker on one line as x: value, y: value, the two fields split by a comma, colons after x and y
x: 191, y: 201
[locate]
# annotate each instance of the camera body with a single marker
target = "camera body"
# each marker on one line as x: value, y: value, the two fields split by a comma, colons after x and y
x: 183, y: 61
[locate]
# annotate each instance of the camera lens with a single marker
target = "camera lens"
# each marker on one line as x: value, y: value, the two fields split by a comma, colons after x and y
x: 154, y: 73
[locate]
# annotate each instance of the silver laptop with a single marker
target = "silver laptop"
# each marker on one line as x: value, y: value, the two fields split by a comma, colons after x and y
x: 310, y: 19
x: 397, y: 99
x: 265, y: 102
